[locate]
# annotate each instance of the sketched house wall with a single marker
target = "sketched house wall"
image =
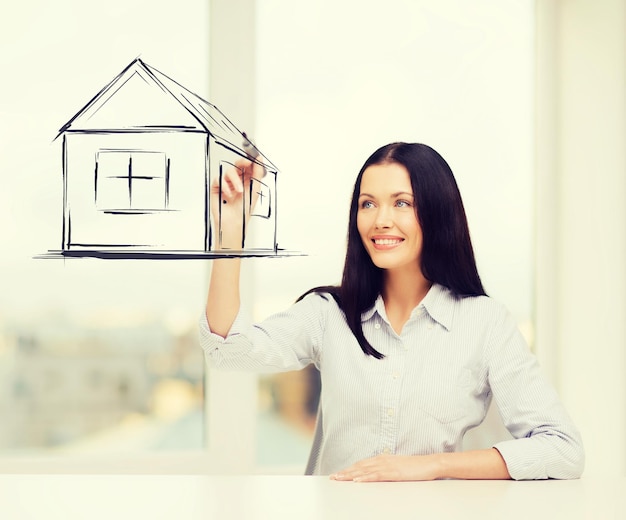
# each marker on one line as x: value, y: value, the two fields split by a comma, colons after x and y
x: 138, y: 163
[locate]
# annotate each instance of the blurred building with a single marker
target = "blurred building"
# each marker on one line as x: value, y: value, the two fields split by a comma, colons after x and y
x: 63, y: 381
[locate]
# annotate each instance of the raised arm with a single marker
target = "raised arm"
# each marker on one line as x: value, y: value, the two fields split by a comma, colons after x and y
x: 228, y: 199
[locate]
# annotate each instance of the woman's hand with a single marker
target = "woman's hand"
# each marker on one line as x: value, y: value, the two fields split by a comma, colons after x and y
x: 391, y: 468
x: 232, y: 200
x: 473, y: 464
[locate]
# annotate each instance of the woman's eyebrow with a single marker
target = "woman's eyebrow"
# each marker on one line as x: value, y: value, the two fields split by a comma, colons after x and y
x: 393, y: 195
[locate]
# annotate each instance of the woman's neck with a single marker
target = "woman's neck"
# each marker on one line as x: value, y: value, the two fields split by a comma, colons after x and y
x: 403, y: 290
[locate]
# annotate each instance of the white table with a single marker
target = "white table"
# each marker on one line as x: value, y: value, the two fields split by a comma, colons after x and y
x: 190, y: 497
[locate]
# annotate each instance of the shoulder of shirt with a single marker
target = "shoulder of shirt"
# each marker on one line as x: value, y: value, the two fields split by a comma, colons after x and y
x: 483, y: 303
x: 321, y: 304
x: 445, y: 304
x: 321, y: 297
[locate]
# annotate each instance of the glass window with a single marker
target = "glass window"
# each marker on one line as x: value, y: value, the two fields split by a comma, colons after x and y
x: 101, y: 379
x: 96, y: 356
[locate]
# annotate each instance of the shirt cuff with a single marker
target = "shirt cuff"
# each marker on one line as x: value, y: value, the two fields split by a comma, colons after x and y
x: 212, y: 343
x: 522, y: 459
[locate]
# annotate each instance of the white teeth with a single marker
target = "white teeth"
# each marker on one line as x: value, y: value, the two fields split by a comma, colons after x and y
x: 386, y: 241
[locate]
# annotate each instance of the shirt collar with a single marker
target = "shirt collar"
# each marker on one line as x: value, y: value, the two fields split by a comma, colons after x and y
x: 378, y: 307
x: 438, y: 303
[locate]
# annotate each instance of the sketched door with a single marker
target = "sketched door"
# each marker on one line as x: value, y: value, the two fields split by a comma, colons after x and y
x: 257, y: 202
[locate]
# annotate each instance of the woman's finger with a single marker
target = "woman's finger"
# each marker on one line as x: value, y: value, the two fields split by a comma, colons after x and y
x: 231, y: 185
x: 250, y: 169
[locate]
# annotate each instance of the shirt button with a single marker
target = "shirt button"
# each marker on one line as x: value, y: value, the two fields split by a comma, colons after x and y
x: 430, y: 326
x: 377, y: 326
x: 395, y: 375
x: 390, y: 412
x: 386, y: 451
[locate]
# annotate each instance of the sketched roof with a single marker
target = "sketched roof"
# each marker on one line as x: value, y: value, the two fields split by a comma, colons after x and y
x: 178, y: 109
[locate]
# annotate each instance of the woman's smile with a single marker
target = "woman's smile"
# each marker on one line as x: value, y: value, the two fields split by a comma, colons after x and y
x: 386, y: 242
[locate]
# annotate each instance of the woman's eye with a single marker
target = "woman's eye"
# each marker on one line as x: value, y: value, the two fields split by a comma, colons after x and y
x: 367, y: 204
x: 403, y: 204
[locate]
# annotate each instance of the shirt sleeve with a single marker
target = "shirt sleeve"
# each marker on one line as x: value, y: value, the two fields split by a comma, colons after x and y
x: 546, y: 443
x: 289, y: 340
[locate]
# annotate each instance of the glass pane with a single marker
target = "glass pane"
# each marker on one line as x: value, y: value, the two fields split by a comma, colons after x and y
x: 112, y: 190
x: 286, y: 421
x: 149, y: 180
x: 96, y: 355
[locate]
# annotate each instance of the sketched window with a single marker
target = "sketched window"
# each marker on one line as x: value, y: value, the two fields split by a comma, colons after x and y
x: 131, y: 180
x: 263, y: 206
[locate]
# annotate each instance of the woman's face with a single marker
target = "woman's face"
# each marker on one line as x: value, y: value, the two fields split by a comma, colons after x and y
x: 386, y: 217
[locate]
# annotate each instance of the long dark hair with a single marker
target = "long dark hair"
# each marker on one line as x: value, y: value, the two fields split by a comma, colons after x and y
x: 447, y: 256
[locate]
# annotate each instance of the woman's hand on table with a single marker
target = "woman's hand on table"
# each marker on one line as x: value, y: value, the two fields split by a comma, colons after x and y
x: 391, y: 468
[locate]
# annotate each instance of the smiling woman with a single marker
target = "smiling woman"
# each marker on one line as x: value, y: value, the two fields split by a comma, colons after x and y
x: 410, y: 349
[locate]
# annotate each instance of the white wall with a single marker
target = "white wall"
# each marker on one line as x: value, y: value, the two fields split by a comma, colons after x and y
x: 581, y: 218
x: 336, y: 80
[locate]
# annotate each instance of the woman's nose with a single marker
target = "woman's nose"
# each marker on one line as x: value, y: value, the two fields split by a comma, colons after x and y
x: 383, y: 218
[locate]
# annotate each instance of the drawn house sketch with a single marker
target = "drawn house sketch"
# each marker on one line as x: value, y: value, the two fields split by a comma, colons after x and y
x: 138, y: 163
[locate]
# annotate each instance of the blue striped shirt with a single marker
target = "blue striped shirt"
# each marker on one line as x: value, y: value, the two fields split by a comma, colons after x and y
x: 435, y: 382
